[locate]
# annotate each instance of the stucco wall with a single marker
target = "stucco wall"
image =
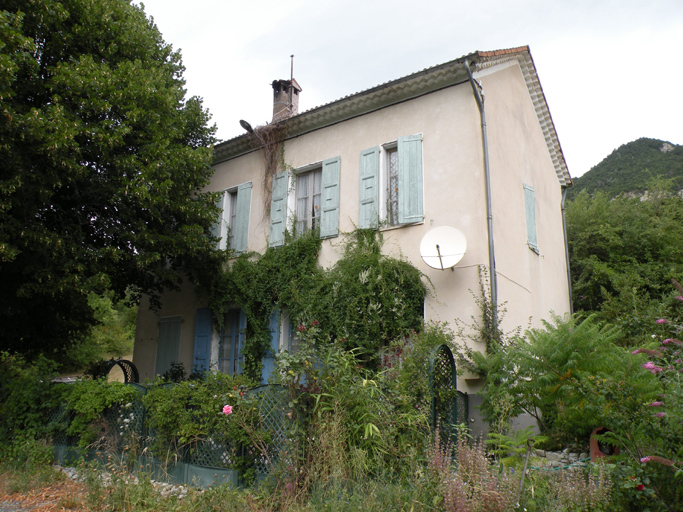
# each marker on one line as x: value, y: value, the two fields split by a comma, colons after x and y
x: 454, y: 195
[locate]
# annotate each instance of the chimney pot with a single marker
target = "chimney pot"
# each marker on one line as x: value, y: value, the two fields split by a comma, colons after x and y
x: 285, y: 99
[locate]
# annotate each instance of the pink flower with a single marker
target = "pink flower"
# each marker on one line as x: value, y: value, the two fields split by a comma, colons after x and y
x: 640, y: 487
x: 662, y: 321
x: 660, y: 414
x: 655, y: 404
x: 679, y: 298
x: 227, y: 409
x: 652, y: 367
x: 658, y: 460
x: 637, y: 351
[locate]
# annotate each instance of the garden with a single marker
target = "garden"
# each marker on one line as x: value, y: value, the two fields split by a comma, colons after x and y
x: 354, y: 419
x: 360, y: 438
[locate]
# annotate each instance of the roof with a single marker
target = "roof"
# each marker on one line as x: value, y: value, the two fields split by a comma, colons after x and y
x: 412, y: 86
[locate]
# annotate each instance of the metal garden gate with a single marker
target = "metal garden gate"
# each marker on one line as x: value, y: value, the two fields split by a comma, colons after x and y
x: 449, y: 406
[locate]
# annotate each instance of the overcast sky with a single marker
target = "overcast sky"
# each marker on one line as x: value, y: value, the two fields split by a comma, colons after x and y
x: 611, y: 70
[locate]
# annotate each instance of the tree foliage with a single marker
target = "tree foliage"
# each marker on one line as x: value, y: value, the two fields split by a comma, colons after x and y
x: 103, y: 162
x: 623, y: 254
x: 571, y: 376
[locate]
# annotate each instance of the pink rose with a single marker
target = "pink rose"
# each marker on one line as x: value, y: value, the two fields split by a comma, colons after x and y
x: 227, y: 409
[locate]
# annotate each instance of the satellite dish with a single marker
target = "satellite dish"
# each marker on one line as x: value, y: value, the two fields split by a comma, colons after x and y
x: 443, y: 247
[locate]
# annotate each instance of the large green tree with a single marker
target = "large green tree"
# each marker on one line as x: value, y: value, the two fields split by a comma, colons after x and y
x: 102, y: 159
x: 623, y: 254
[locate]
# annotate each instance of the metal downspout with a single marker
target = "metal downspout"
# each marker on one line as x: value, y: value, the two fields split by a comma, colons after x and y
x: 566, y: 253
x: 476, y: 88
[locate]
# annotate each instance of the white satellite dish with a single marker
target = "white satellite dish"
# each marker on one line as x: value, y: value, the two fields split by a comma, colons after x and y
x: 443, y: 247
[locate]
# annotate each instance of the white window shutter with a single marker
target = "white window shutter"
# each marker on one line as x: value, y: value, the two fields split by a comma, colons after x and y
x: 530, y: 207
x: 278, y: 210
x: 241, y: 227
x: 368, y: 215
x: 410, y: 200
x: 329, y: 217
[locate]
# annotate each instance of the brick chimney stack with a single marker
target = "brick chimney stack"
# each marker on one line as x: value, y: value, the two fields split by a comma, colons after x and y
x: 285, y: 99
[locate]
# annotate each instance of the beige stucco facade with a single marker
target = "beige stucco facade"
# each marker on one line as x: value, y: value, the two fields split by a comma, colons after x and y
x: 522, y: 150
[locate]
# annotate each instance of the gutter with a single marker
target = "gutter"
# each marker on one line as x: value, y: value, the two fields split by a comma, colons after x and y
x: 566, y: 251
x: 476, y: 88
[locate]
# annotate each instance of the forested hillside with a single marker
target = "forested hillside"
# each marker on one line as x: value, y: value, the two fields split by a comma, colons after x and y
x: 629, y: 169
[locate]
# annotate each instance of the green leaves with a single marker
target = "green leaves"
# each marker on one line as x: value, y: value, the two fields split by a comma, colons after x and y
x: 623, y: 253
x: 570, y: 376
x: 104, y: 161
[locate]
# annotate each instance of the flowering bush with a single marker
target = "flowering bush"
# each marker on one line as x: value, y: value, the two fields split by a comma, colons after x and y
x: 185, y: 414
x: 654, y: 444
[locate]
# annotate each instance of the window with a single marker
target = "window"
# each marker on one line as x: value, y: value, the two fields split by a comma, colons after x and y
x: 391, y: 163
x: 203, y: 330
x: 530, y: 208
x: 312, y: 199
x: 391, y: 183
x: 308, y: 190
x: 168, y: 344
x: 232, y: 228
x: 232, y: 342
x: 232, y: 198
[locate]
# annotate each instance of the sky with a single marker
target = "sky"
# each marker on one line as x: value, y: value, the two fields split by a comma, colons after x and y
x: 611, y: 70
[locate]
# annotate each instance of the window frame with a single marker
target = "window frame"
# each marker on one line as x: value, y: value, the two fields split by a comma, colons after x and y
x: 375, y: 179
x: 530, y: 213
x: 311, y: 171
x: 235, y: 205
x: 283, y: 200
x: 238, y: 325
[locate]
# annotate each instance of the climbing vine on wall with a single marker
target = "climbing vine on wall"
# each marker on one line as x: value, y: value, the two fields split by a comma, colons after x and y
x: 270, y: 138
x: 365, y: 300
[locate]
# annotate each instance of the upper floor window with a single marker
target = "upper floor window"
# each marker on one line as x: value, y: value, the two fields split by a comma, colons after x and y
x: 308, y: 191
x: 391, y: 187
x: 232, y: 226
x: 310, y: 195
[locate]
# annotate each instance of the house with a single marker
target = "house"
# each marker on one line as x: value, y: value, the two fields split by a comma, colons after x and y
x: 468, y: 144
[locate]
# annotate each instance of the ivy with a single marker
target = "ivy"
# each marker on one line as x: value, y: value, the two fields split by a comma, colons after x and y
x: 365, y: 300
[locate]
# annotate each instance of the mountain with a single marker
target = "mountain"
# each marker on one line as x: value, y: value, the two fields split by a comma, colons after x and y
x: 630, y: 167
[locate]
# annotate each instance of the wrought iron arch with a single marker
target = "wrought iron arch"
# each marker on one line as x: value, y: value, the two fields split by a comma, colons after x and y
x: 449, y: 406
x: 130, y: 371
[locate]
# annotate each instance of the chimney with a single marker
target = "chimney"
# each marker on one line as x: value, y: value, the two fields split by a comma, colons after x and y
x: 285, y: 99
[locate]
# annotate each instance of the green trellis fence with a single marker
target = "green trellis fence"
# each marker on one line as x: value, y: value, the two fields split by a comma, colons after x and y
x: 124, y: 434
x: 450, y: 407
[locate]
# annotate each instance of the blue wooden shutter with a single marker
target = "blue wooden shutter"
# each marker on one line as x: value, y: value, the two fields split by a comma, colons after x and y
x: 218, y: 229
x: 278, y: 210
x: 272, y: 350
x: 530, y: 207
x: 368, y: 216
x: 168, y: 344
x: 329, y: 217
x: 241, y: 336
x: 242, y: 210
x: 410, y: 208
x: 202, y: 340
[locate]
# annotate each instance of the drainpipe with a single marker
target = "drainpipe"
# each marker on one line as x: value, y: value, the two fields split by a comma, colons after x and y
x: 566, y: 252
x: 478, y: 95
